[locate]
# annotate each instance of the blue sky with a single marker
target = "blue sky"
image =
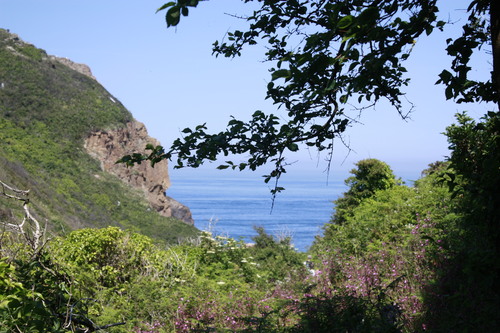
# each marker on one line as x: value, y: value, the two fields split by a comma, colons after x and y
x: 168, y: 79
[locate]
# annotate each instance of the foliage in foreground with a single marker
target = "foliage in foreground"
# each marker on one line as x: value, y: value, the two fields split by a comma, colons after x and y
x: 218, y: 284
x: 466, y: 296
x: 124, y: 281
x: 406, y: 259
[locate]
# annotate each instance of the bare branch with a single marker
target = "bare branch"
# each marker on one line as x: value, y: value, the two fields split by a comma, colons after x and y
x: 29, y: 227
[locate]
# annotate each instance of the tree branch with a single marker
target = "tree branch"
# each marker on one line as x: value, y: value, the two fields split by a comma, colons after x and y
x: 29, y: 228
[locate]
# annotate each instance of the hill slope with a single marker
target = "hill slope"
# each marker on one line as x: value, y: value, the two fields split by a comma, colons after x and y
x: 50, y: 109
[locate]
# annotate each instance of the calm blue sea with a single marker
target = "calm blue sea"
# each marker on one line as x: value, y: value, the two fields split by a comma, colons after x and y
x: 233, y: 205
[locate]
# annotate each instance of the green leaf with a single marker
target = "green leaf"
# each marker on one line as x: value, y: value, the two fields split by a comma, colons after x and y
x: 281, y: 73
x: 353, y: 65
x: 448, y: 92
x: 258, y: 114
x: 345, y: 22
x: 331, y: 86
x: 277, y: 190
x: 173, y: 16
x: 445, y: 76
x: 293, y: 147
x: 348, y: 36
x: 168, y: 4
x: 5, y: 304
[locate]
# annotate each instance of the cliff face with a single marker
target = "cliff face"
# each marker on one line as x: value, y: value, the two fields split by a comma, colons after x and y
x: 109, y: 146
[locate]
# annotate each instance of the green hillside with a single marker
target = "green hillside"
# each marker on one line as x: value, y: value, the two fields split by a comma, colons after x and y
x: 46, y: 111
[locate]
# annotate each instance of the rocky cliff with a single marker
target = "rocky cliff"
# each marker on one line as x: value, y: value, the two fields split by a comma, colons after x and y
x: 60, y: 135
x: 80, y: 68
x: 109, y: 146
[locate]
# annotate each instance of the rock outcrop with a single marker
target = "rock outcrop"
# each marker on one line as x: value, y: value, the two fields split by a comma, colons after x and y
x: 80, y: 68
x: 109, y: 146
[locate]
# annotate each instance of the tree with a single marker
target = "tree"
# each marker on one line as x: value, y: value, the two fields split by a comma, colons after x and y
x: 386, y: 219
x: 371, y: 175
x: 468, y: 287
x: 325, y: 55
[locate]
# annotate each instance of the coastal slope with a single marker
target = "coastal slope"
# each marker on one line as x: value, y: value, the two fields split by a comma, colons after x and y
x: 61, y: 133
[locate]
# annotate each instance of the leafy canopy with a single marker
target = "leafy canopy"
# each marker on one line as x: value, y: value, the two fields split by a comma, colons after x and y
x: 325, y: 55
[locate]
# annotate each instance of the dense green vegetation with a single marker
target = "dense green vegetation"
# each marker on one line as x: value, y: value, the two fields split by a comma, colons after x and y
x: 379, y: 271
x: 46, y: 111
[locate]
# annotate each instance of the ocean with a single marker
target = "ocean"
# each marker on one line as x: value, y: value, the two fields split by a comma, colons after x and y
x: 233, y: 205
